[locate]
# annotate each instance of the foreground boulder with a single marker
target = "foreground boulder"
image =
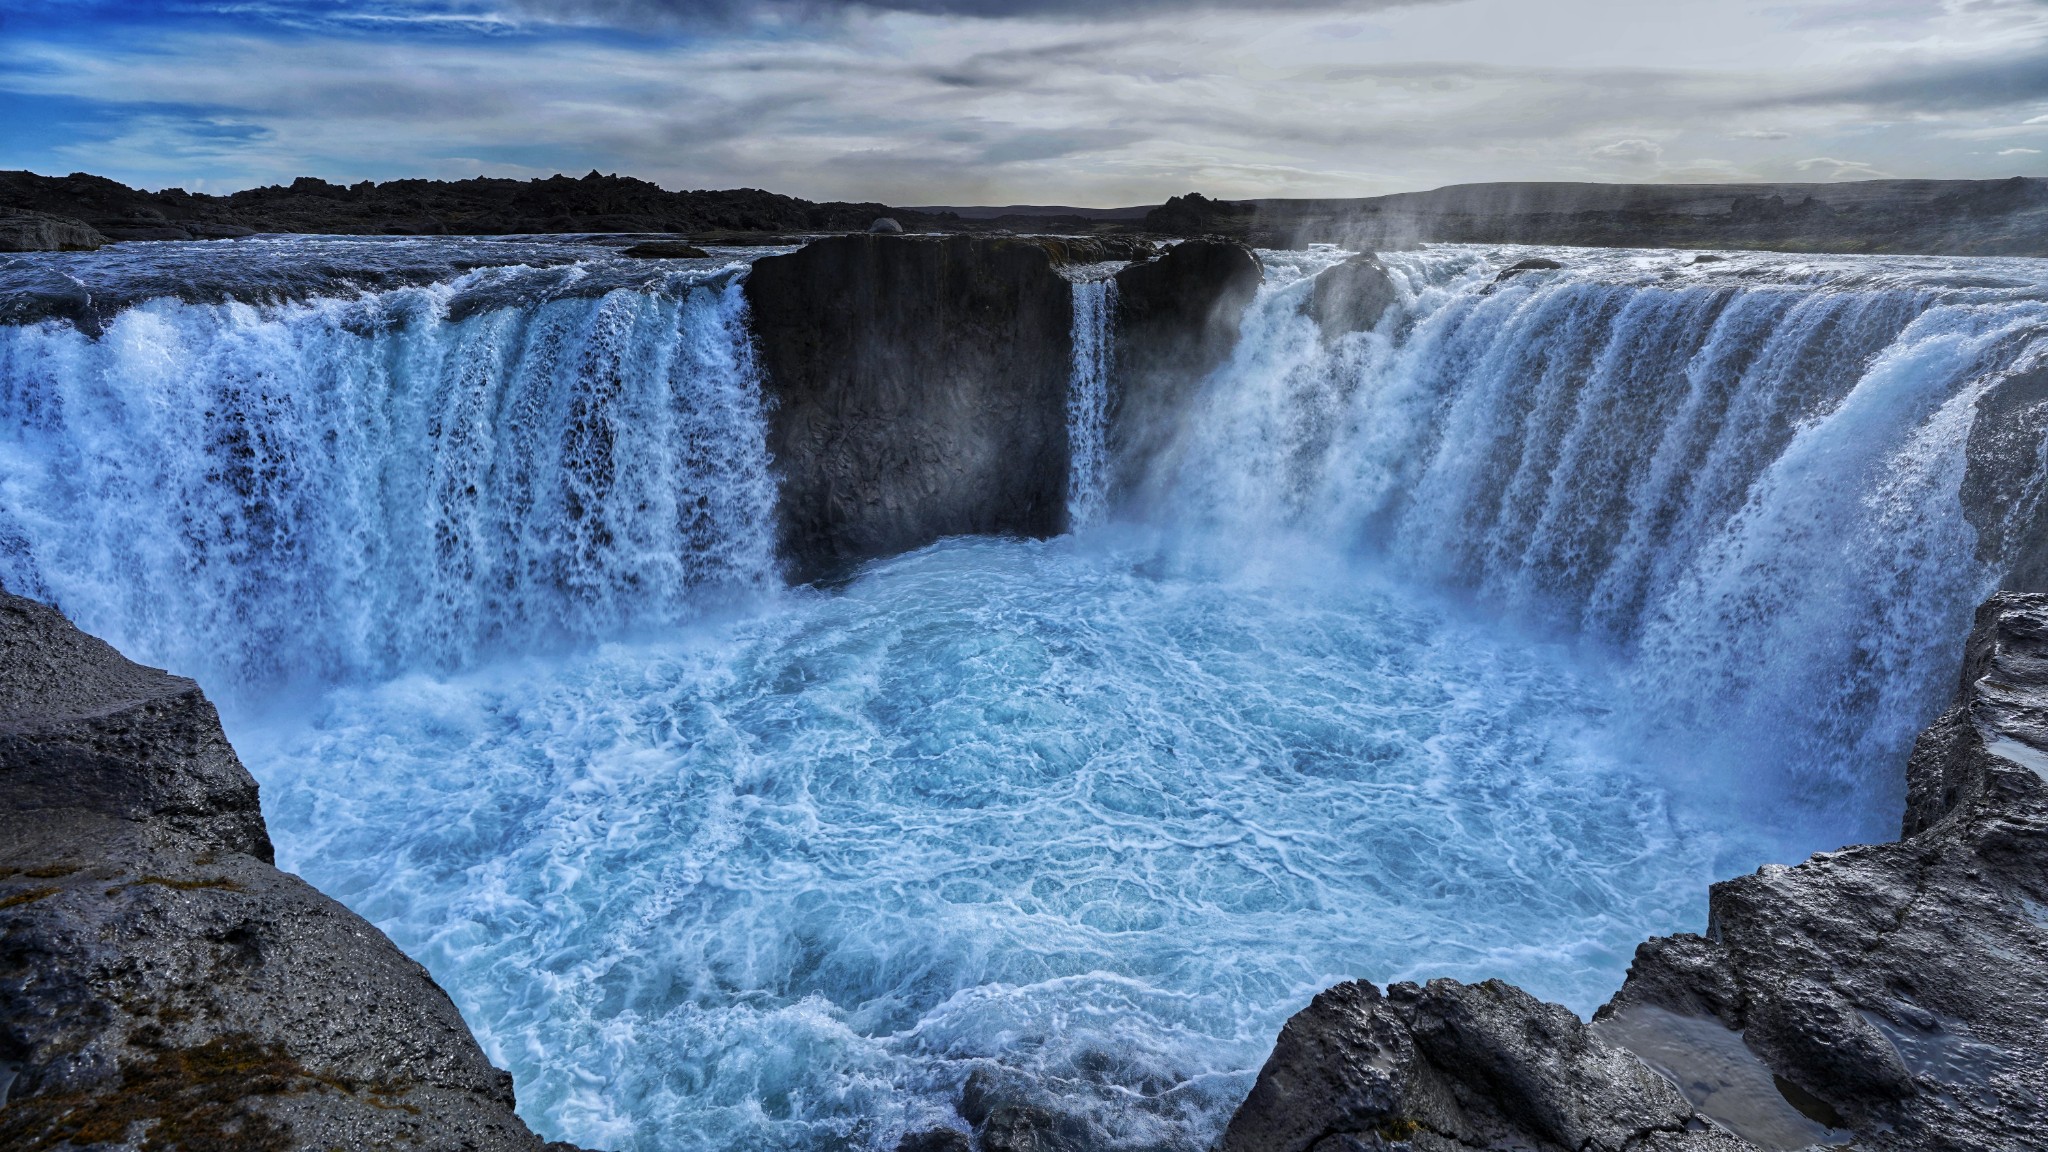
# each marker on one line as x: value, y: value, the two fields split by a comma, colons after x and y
x: 1455, y: 1066
x: 162, y: 986
x: 1892, y: 995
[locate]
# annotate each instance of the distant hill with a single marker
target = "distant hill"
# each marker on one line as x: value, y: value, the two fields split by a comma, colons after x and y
x: 984, y: 212
x: 486, y: 207
x: 1952, y: 217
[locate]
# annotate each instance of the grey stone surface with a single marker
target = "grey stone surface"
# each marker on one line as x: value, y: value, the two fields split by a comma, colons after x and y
x: 23, y: 230
x: 162, y: 986
x: 1448, y: 1066
x: 1352, y: 296
x: 1893, y: 995
x: 82, y: 727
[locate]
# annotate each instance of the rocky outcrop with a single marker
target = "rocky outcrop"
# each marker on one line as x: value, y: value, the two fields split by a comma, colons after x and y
x: 162, y: 986
x: 1196, y: 215
x: 1177, y: 320
x: 1352, y: 296
x: 24, y: 231
x: 918, y: 389
x: 84, y: 729
x: 1451, y: 1066
x: 1892, y: 994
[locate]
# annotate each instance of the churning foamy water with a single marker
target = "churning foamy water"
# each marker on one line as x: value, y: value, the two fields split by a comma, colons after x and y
x: 1473, y: 645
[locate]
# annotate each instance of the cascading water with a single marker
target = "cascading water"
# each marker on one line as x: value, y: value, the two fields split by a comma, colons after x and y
x: 1740, y: 475
x: 1087, y: 818
x: 1088, y: 401
x: 411, y: 479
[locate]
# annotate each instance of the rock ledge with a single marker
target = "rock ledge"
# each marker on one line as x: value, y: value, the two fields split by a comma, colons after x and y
x: 162, y: 986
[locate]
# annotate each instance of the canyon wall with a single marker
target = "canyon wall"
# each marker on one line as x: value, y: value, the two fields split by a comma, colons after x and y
x: 918, y: 385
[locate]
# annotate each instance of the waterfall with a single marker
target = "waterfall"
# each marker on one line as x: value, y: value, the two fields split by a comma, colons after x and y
x: 1088, y: 400
x: 1529, y: 566
x: 1741, y: 475
x: 307, y: 490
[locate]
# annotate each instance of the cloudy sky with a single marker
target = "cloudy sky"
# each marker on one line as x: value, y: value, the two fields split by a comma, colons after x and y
x: 1098, y: 102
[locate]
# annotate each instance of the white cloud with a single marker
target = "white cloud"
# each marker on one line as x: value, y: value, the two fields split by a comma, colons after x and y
x: 1840, y: 169
x: 2021, y: 152
x: 1634, y: 150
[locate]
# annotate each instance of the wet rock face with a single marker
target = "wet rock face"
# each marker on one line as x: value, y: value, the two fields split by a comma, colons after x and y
x: 1895, y: 993
x: 1450, y: 1066
x: 919, y: 391
x: 1999, y: 497
x: 1352, y: 296
x: 1177, y: 320
x: 161, y: 985
x: 22, y: 230
x: 82, y: 727
x: 1904, y: 986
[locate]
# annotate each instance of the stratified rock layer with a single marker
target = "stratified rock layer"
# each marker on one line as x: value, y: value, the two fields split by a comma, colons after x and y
x: 162, y: 986
x: 1894, y: 993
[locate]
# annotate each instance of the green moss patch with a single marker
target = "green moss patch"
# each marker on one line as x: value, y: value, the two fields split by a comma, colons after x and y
x: 195, y: 1099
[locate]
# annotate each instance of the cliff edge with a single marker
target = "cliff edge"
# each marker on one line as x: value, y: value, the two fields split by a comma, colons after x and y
x: 162, y: 986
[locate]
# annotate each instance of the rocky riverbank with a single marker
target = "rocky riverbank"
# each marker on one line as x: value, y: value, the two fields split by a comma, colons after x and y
x: 1887, y: 996
x: 161, y: 984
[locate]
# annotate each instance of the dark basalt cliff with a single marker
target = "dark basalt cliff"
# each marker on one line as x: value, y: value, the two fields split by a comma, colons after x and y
x: 1177, y: 319
x: 162, y: 986
x: 918, y: 389
x: 2000, y: 499
x: 1892, y: 995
